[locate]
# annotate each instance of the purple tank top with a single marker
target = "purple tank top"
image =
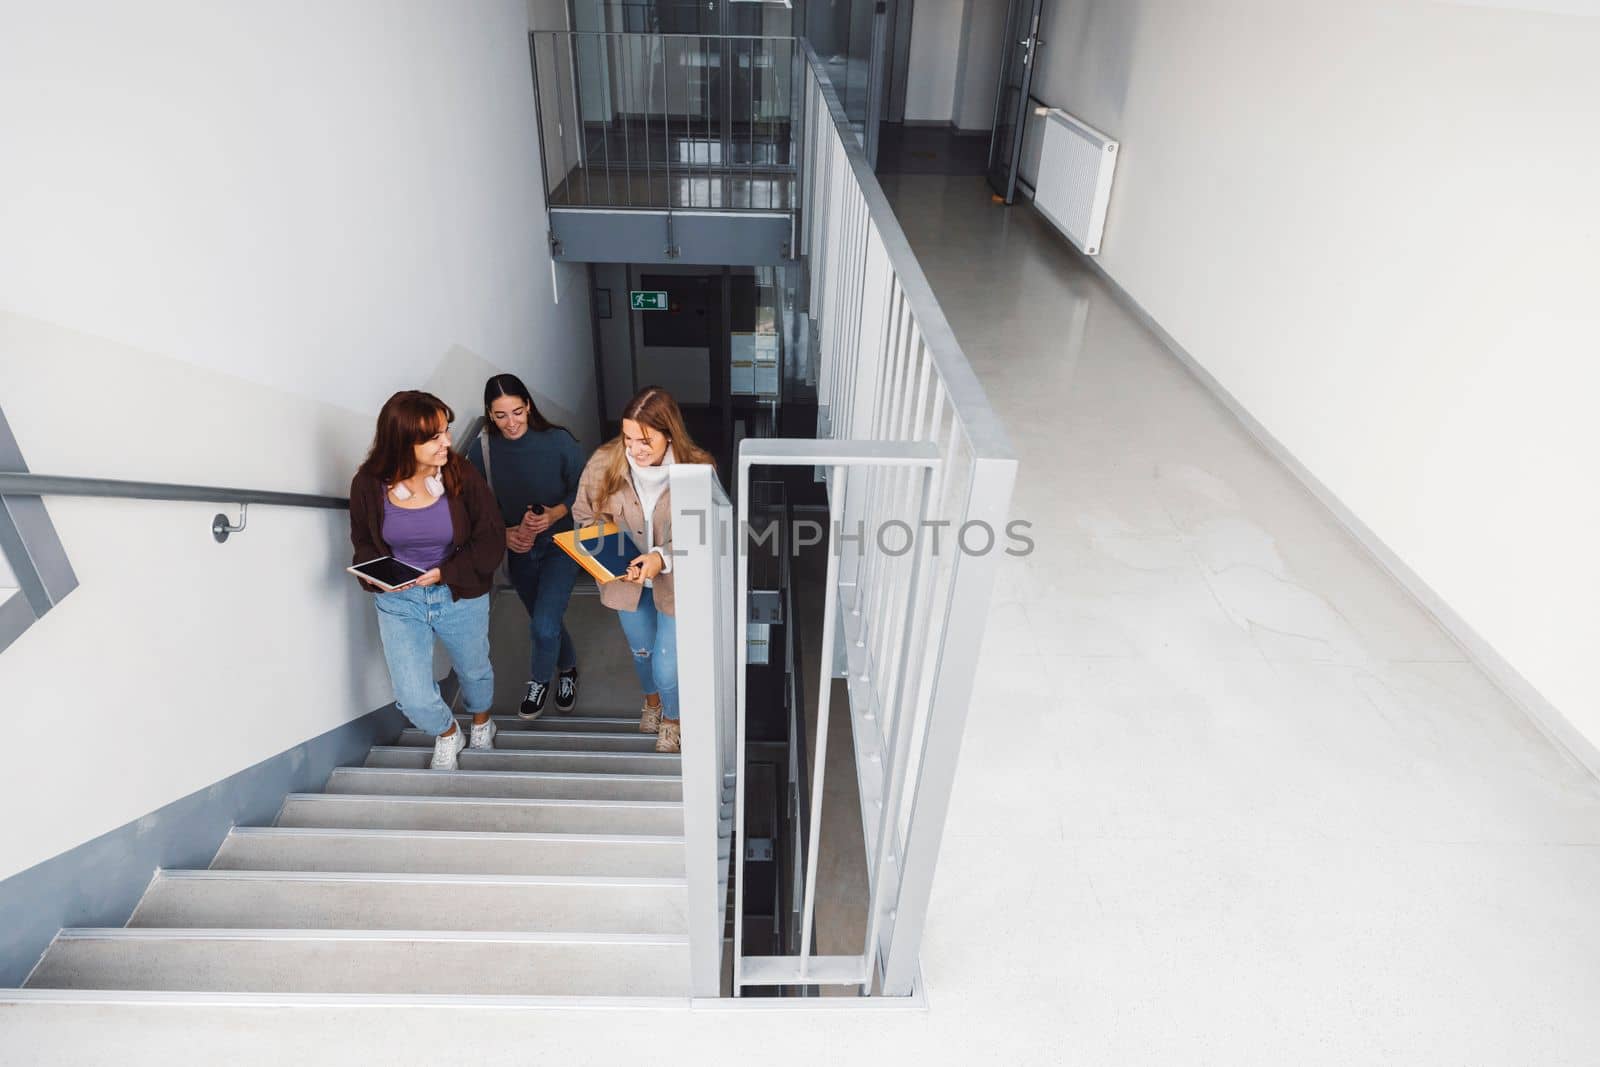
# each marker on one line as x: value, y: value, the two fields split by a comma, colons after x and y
x: 419, y: 536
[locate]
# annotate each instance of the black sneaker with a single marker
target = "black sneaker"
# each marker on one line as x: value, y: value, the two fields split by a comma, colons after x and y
x: 567, y: 690
x: 533, y: 703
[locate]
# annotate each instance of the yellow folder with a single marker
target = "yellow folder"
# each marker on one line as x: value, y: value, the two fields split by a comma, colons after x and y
x: 603, y: 551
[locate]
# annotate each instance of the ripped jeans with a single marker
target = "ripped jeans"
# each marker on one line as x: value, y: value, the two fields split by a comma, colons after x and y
x: 653, y: 636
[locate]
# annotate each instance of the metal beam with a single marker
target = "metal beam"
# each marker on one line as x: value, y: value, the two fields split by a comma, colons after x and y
x: 29, y: 542
x: 719, y: 238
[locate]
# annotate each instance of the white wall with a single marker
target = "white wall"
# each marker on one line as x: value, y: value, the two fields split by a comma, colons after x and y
x: 981, y: 47
x: 1376, y: 225
x: 931, y: 65
x: 954, y: 65
x: 227, y: 233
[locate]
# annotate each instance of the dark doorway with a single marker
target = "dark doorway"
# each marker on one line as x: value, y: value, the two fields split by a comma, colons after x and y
x: 1021, y: 44
x: 689, y: 349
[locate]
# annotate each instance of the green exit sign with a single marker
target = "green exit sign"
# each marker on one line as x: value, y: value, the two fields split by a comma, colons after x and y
x: 648, y: 301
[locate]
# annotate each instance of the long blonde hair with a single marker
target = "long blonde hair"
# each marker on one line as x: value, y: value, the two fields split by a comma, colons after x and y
x: 655, y: 408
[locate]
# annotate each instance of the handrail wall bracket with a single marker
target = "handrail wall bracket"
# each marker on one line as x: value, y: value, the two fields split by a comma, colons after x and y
x: 221, y: 528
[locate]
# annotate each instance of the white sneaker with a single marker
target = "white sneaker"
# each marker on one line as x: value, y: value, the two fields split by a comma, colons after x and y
x: 446, y: 749
x: 483, y: 735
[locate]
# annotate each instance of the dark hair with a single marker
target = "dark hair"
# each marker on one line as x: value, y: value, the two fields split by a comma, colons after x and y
x: 409, y: 418
x: 510, y: 385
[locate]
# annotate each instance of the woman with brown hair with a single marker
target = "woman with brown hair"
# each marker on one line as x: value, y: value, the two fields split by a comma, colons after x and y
x: 417, y: 500
x: 625, y: 482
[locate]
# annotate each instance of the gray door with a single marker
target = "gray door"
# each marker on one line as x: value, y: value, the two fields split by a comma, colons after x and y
x: 1021, y: 44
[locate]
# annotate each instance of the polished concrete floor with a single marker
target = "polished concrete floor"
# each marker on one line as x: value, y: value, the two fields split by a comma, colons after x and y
x: 1227, y: 795
x: 931, y: 150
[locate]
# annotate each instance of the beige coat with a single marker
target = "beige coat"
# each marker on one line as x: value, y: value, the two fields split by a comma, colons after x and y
x: 624, y: 509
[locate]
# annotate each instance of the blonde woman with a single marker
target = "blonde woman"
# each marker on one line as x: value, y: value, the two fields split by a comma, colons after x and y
x: 625, y: 482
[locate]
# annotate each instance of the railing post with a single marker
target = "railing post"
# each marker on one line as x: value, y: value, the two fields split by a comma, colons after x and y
x: 696, y: 565
x: 966, y: 617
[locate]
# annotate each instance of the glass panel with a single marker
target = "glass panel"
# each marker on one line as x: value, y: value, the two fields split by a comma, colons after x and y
x: 637, y: 120
x: 841, y: 33
x: 760, y: 18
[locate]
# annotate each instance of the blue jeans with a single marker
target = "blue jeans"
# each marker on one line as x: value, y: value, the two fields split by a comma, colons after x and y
x: 544, y: 577
x: 653, y: 636
x: 408, y: 622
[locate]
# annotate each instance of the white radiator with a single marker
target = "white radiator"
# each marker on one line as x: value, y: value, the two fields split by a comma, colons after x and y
x: 1076, y: 162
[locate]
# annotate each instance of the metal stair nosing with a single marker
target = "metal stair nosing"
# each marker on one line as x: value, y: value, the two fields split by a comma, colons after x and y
x: 575, y: 785
x: 529, y: 836
x: 449, y: 813
x: 432, y: 798
x: 525, y: 776
x: 203, y: 874
x: 521, y: 740
x: 415, y: 757
x: 288, y: 899
x: 571, y: 723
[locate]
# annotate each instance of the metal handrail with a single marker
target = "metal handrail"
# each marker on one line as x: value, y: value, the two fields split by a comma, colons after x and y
x: 54, y: 485
x: 221, y: 527
x: 669, y: 36
x: 12, y: 484
x: 980, y: 421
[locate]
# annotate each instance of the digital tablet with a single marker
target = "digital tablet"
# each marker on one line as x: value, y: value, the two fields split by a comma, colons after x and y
x: 387, y: 573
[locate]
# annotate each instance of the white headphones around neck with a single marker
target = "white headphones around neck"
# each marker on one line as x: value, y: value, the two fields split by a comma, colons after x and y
x: 434, y: 486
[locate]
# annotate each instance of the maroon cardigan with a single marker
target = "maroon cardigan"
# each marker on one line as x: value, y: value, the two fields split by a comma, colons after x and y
x: 479, y: 532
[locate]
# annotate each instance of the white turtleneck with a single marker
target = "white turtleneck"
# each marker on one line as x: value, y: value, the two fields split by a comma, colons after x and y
x: 650, y: 483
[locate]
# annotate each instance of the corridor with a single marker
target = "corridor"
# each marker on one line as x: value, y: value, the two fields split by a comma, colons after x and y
x: 1266, y: 809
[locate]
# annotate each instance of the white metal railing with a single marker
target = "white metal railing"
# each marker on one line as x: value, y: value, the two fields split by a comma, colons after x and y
x: 919, y: 475
x: 703, y: 587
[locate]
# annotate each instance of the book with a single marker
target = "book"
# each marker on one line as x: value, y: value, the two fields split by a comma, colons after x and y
x: 603, y: 551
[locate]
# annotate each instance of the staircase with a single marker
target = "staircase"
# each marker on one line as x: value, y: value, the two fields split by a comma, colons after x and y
x: 552, y: 866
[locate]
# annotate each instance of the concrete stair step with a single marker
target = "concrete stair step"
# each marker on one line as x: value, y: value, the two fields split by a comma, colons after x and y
x: 519, y: 738
x: 278, y: 848
x: 489, y: 814
x: 355, y: 901
x: 414, y: 757
x: 360, y: 961
x: 523, y: 784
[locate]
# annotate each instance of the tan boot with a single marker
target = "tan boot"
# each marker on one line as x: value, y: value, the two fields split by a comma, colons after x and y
x: 649, y: 719
x: 670, y: 737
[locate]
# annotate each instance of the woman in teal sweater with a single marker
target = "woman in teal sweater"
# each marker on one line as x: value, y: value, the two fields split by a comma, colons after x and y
x: 533, y: 467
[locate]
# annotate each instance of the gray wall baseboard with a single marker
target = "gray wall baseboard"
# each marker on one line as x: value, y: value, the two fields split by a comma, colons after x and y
x: 1545, y: 715
x: 100, y: 882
